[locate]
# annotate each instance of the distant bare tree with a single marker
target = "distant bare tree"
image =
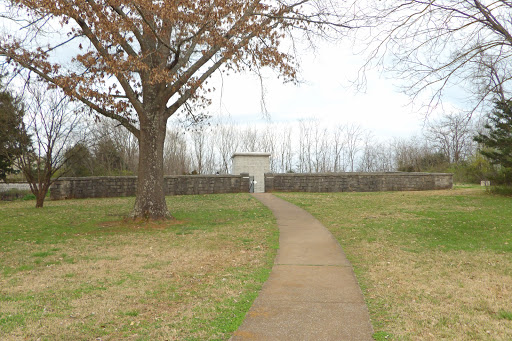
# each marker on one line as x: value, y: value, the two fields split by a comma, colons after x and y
x: 128, y: 146
x: 250, y: 139
x: 369, y: 157
x: 176, y: 158
x: 321, y: 148
x: 452, y: 134
x: 227, y: 143
x: 203, y: 159
x: 338, y: 148
x: 52, y: 124
x: 268, y: 143
x: 303, y: 152
x: 284, y: 149
x: 115, y: 148
x: 408, y: 152
x: 415, y: 155
x: 353, y: 137
x: 376, y: 156
x: 309, y: 145
x: 386, y: 157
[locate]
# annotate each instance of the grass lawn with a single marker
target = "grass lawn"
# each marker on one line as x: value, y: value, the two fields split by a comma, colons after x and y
x: 76, y: 270
x: 432, y: 265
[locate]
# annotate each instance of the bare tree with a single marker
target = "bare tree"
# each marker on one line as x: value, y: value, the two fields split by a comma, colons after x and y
x: 141, y: 62
x: 228, y: 142
x: 452, y: 134
x: 284, y: 149
x: 368, y: 162
x: 385, y: 157
x: 52, y: 125
x: 301, y: 152
x: 250, y: 139
x: 176, y: 158
x: 415, y: 155
x: 407, y: 153
x: 321, y: 148
x: 338, y: 149
x: 305, y: 152
x: 353, y: 137
x: 115, y: 149
x: 434, y: 45
x: 268, y: 143
x: 203, y: 160
x: 128, y: 146
x: 375, y: 155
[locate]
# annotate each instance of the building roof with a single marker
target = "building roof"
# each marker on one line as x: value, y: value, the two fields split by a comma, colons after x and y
x: 251, y: 154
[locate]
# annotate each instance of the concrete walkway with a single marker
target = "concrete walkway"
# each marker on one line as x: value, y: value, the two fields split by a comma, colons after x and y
x: 312, y: 293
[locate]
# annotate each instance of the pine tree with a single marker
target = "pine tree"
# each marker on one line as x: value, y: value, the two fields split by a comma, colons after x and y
x: 496, y: 142
x: 12, y: 137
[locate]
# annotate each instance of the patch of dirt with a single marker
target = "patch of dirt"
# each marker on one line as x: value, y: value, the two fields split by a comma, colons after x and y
x: 136, y: 224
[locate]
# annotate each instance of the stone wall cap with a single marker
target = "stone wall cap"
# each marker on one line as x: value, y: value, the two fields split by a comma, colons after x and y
x: 78, y: 178
x: 251, y: 154
x: 201, y: 176
x: 131, y: 177
x: 356, y: 173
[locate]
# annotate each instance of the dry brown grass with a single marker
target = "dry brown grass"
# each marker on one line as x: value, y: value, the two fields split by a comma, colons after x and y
x: 424, y: 274
x: 454, y: 295
x: 139, y: 281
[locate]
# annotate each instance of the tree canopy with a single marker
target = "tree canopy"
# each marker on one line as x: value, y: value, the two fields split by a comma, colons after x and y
x: 435, y: 47
x: 123, y: 53
x: 139, y: 62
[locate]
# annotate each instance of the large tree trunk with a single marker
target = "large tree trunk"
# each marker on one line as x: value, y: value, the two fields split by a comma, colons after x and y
x: 40, y: 196
x: 39, y: 189
x: 150, y: 201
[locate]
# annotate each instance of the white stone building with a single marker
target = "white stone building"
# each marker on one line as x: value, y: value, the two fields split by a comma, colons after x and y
x: 256, y: 164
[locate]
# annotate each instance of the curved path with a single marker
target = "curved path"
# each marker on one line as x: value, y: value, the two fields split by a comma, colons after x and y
x: 312, y: 293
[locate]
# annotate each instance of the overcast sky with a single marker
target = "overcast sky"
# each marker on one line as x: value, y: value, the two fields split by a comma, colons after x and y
x: 326, y: 94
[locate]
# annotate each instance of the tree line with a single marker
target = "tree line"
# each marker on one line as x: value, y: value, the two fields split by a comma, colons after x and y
x: 140, y: 62
x: 45, y: 136
x: 303, y: 146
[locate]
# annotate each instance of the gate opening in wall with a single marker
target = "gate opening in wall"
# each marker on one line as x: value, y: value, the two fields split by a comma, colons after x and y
x: 251, y: 184
x: 256, y: 164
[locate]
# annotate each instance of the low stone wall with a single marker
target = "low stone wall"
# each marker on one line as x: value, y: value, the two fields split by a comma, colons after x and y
x: 19, y: 186
x: 123, y: 186
x: 357, y: 182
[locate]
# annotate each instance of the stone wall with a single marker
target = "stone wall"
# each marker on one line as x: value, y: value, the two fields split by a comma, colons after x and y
x: 122, y: 186
x: 357, y: 182
x: 19, y: 186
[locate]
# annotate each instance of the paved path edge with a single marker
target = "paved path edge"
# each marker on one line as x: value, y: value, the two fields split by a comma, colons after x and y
x: 312, y: 292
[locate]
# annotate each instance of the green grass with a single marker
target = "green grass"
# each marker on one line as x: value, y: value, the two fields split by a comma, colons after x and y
x: 432, y: 265
x: 133, y: 313
x: 506, y: 315
x: 79, y: 270
x: 448, y: 222
x: 502, y: 190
